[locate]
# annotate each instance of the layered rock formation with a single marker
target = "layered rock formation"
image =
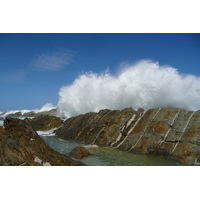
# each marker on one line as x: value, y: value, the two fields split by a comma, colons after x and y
x: 21, y: 145
x: 171, y: 132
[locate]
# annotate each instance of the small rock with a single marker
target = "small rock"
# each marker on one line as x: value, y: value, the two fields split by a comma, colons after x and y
x: 38, y: 160
x: 80, y: 152
x: 46, y: 164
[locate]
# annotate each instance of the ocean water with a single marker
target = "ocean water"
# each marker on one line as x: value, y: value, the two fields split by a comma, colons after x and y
x: 105, y: 156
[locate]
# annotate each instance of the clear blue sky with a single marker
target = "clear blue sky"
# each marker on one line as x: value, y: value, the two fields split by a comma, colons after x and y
x: 33, y: 67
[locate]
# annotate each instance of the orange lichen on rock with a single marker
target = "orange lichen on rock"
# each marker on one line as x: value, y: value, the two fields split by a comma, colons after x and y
x: 158, y: 127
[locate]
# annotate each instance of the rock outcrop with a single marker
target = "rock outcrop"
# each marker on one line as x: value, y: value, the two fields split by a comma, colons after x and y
x: 21, y: 145
x: 171, y: 132
x: 51, y: 112
x: 44, y: 123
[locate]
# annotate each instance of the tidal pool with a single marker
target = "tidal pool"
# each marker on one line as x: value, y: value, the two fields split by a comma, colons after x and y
x: 106, y: 156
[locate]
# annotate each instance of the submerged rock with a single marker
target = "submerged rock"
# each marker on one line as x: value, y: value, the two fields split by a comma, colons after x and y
x: 80, y: 152
x: 171, y: 132
x: 21, y: 145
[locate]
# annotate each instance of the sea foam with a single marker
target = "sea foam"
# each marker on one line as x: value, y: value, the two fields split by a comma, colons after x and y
x: 145, y: 84
x: 46, y: 107
x: 1, y: 122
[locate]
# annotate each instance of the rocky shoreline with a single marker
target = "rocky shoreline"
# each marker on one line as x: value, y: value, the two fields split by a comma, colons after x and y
x: 20, y: 145
x: 172, y: 133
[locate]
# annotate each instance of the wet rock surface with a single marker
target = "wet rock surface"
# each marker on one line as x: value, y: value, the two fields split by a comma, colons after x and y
x: 171, y: 132
x: 21, y: 145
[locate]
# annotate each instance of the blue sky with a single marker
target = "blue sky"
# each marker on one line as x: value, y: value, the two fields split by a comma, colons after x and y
x: 33, y: 67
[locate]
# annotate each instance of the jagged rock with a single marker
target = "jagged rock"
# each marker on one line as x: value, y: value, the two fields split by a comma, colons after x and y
x: 91, y: 127
x: 17, y: 114
x: 44, y: 123
x: 80, y: 152
x: 51, y: 112
x: 171, y: 132
x: 21, y: 145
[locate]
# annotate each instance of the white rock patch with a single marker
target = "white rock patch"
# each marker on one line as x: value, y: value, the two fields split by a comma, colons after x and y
x: 38, y: 160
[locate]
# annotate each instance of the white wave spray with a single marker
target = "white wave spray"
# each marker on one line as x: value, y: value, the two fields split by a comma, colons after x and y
x: 46, y: 107
x: 145, y: 84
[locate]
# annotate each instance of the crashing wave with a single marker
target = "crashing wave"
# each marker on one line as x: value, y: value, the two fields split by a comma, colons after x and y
x: 145, y: 84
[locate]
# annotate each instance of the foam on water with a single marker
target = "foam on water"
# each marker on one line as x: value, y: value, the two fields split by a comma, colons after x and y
x: 1, y: 122
x: 4, y: 114
x: 145, y: 84
x: 46, y: 107
x: 47, y: 133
